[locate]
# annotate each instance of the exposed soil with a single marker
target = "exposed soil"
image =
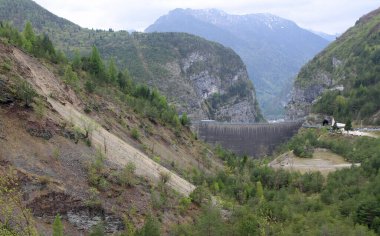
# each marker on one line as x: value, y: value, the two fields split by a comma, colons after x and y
x: 118, y: 151
x: 323, y: 160
x: 53, y: 162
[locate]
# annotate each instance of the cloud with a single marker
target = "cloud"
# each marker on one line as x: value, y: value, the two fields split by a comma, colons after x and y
x: 330, y: 16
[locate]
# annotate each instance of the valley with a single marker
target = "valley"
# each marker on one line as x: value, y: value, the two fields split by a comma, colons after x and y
x: 107, y: 132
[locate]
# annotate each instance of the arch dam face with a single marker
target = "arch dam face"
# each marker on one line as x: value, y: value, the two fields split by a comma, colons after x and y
x: 247, y: 139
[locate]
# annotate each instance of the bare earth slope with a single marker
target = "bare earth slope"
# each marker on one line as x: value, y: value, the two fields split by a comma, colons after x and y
x: 117, y: 151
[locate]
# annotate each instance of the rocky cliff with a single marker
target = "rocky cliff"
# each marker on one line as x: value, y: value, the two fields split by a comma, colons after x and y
x: 192, y: 71
x: 343, y: 80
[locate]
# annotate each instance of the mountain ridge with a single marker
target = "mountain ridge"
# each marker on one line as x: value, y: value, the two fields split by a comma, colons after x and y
x: 154, y: 59
x: 272, y: 48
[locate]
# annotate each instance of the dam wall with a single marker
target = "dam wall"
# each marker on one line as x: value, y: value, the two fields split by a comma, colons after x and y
x: 247, y: 139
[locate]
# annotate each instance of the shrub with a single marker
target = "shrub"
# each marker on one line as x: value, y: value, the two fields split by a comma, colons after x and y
x: 57, y: 226
x: 25, y: 92
x: 135, y: 134
x: 164, y: 177
x: 126, y: 176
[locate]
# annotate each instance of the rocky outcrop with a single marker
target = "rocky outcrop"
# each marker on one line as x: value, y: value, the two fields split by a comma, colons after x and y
x: 308, y: 88
x: 190, y: 75
x: 209, y: 81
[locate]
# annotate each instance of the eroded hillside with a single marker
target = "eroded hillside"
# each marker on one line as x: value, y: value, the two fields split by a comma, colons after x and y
x: 75, y: 164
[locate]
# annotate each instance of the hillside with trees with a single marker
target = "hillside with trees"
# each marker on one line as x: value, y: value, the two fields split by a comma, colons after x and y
x: 187, y: 69
x: 343, y: 80
x: 54, y: 180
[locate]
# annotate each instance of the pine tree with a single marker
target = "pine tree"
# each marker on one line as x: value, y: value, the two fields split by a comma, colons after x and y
x: 29, y: 36
x: 150, y: 228
x: 185, y: 121
x: 70, y: 77
x: 25, y: 92
x: 57, y: 226
x: 96, y: 64
x: 77, y: 61
x: 112, y: 71
x: 348, y: 125
x: 259, y: 191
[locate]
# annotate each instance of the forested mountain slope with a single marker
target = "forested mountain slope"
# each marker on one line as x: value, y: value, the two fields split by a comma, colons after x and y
x: 273, y: 48
x: 199, y: 77
x: 343, y: 80
x: 76, y: 141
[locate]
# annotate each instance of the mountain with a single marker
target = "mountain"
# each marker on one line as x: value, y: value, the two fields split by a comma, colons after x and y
x: 328, y: 37
x: 78, y: 154
x: 83, y: 154
x: 202, y: 78
x: 343, y: 80
x: 273, y: 48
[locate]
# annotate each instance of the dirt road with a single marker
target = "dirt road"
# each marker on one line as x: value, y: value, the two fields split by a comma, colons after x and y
x: 118, y: 151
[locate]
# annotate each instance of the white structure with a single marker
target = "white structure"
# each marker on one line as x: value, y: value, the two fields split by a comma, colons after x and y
x: 339, y: 125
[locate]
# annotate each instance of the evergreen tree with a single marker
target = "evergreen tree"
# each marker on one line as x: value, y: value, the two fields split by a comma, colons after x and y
x: 259, y: 191
x: 57, y: 226
x: 210, y: 222
x: 29, y: 36
x: 70, y: 77
x: 112, y: 71
x: 185, y: 121
x: 150, y: 228
x: 348, y: 125
x: 96, y: 64
x: 25, y: 92
x: 47, y: 46
x: 77, y: 61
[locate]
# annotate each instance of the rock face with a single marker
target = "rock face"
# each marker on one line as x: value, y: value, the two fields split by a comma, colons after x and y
x: 206, y: 81
x: 202, y: 78
x: 302, y: 97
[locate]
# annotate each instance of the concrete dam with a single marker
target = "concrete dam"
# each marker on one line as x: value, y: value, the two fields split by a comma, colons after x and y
x: 247, y: 139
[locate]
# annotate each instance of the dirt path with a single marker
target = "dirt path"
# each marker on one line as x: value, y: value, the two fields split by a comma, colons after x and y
x: 118, y: 151
x: 360, y: 133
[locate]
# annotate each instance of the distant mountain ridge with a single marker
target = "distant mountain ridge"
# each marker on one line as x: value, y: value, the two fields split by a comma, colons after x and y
x: 189, y: 70
x: 273, y: 48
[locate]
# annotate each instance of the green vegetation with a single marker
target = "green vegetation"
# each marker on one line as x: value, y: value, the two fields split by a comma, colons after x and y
x: 126, y: 176
x: 97, y: 230
x: 351, y: 61
x: 262, y: 200
x: 15, y: 218
x: 150, y: 228
x: 25, y: 92
x: 95, y: 76
x: 57, y: 226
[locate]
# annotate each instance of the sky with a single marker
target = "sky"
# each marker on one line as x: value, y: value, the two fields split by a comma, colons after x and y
x: 328, y: 16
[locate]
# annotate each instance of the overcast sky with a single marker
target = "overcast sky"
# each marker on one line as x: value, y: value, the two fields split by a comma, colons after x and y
x: 329, y: 16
